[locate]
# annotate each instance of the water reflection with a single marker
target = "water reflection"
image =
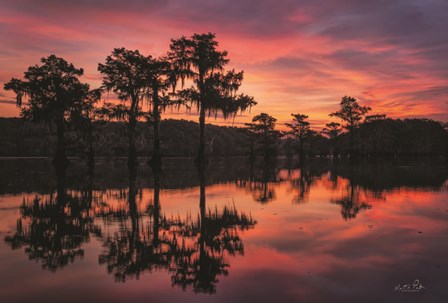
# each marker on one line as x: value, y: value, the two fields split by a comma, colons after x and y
x: 52, y: 228
x: 302, y: 178
x: 212, y: 236
x: 261, y: 181
x: 351, y: 203
x: 136, y: 246
x: 145, y: 223
x: 193, y: 250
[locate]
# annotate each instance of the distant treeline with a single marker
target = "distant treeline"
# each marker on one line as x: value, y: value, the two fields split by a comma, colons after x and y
x: 389, y: 137
x: 179, y: 138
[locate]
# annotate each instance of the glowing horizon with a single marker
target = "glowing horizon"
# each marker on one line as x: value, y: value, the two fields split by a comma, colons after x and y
x: 297, y: 58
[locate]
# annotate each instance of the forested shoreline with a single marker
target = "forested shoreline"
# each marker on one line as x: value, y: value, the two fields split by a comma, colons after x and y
x: 376, y: 138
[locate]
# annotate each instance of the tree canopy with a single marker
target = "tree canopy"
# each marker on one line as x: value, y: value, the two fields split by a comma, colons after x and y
x: 52, y: 89
x: 332, y: 130
x: 350, y: 112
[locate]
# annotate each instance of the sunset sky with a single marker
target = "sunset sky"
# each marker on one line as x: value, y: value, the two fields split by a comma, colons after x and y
x: 298, y: 56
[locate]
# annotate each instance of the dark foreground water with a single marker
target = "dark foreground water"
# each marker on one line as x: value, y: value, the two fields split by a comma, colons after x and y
x: 321, y: 232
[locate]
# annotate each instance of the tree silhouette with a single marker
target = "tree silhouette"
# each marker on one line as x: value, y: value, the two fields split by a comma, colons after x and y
x: 158, y: 72
x: 332, y: 130
x: 214, y: 91
x: 87, y: 120
x: 351, y: 113
x: 54, y: 93
x: 263, y: 130
x: 300, y: 130
x: 125, y: 73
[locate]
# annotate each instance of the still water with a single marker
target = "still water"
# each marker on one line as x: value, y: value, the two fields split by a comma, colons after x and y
x: 323, y: 231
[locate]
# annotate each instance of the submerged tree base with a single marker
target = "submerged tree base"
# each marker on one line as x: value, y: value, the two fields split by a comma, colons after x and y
x: 155, y: 162
x: 91, y: 161
x: 132, y: 162
x: 60, y: 163
x: 201, y: 162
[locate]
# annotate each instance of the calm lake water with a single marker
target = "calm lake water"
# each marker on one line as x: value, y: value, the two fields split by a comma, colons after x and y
x: 325, y: 231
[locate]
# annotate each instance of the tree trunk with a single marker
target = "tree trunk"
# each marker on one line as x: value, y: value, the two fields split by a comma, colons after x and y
x: 332, y: 151
x: 132, y: 157
x: 61, y: 186
x: 201, y: 160
x: 156, y: 159
x: 89, y: 191
x: 203, y: 264
x: 156, y: 214
x: 133, y: 210
x: 201, y: 157
x: 252, y: 149
x: 334, y: 148
x: 266, y: 146
x: 288, y: 149
x: 352, y: 142
x: 301, y: 151
x: 60, y: 159
x: 91, y: 153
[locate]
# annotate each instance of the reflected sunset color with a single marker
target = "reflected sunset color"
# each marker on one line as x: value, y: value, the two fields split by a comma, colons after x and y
x: 316, y: 232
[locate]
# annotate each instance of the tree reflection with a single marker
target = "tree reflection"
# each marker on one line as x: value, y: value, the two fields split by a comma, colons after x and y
x: 302, y: 186
x: 214, y: 235
x: 53, y: 228
x: 135, y: 248
x: 261, y: 182
x: 304, y: 177
x: 360, y: 181
x: 351, y: 203
x: 193, y: 250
